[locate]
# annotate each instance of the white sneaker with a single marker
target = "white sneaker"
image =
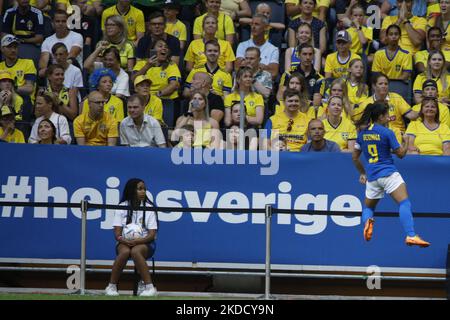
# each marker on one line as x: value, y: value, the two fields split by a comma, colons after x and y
x: 111, y: 290
x: 141, y: 287
x: 149, y: 291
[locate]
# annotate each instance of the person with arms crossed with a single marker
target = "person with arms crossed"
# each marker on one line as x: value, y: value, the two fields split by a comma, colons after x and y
x: 376, y: 141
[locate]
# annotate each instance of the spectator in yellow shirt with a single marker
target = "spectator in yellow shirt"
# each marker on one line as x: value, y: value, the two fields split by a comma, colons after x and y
x: 174, y: 26
x: 225, y: 30
x: 437, y: 71
x: 102, y: 80
x: 429, y: 136
x: 413, y: 28
x: 430, y: 90
x: 96, y: 127
x: 195, y: 55
x: 336, y: 64
x: 393, y: 60
x: 133, y: 17
x: 8, y: 131
x: 434, y: 43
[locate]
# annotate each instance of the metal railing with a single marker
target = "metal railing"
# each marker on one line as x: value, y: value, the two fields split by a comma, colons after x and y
x: 84, y: 205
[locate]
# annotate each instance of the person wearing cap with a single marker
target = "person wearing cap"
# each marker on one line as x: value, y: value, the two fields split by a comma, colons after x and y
x: 23, y: 71
x: 25, y: 22
x: 225, y: 25
x: 96, y: 127
x: 8, y: 131
x: 8, y: 95
x: 437, y: 71
x: 102, y: 80
x: 393, y: 61
x: 430, y: 90
x: 427, y: 135
x: 336, y: 64
x: 174, y: 27
x: 413, y: 28
x: 133, y: 16
x: 152, y: 104
x: 140, y: 129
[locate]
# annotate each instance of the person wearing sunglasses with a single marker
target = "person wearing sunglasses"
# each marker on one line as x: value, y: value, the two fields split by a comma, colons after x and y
x: 291, y: 124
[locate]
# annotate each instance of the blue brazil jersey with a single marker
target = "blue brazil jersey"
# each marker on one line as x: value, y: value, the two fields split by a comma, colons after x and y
x: 376, y: 142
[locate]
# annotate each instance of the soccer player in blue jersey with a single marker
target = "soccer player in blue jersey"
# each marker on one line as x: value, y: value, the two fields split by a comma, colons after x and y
x: 378, y: 143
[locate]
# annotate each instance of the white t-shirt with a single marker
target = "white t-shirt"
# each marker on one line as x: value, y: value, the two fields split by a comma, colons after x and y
x: 120, y: 218
x: 73, y: 77
x: 269, y: 53
x: 73, y: 39
x: 61, y: 124
x: 121, y: 85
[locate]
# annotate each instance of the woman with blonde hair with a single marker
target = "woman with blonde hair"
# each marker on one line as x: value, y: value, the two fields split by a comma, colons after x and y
x: 206, y: 129
x: 116, y: 35
x: 437, y: 71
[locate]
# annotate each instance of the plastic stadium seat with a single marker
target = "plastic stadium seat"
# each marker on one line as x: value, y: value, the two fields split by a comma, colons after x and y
x: 402, y: 88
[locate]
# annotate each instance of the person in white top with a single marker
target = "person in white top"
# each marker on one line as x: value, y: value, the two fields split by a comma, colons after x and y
x: 269, y: 53
x: 111, y: 60
x: 134, y: 195
x: 72, y: 40
x: 46, y: 108
x: 73, y: 78
x: 139, y: 129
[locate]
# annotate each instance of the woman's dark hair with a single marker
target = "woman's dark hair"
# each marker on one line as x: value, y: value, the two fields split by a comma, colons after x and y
x: 394, y: 26
x: 51, y: 68
x: 166, y: 63
x: 52, y: 125
x: 130, y: 194
x: 371, y: 114
x: 436, y: 104
x: 377, y: 76
x: 57, y: 46
x: 114, y: 51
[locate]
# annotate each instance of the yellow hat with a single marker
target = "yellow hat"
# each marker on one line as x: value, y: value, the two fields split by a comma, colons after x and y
x: 5, y: 75
x: 6, y: 111
x: 140, y: 79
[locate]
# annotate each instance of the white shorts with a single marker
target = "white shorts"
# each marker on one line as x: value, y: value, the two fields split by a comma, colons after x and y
x: 376, y: 189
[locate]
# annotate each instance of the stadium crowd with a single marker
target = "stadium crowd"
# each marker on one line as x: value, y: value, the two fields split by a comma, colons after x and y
x: 192, y: 74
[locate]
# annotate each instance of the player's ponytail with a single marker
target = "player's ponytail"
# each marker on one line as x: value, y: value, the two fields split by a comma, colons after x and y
x: 371, y: 114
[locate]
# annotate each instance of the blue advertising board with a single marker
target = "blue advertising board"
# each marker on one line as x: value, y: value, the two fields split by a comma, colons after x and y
x: 36, y: 173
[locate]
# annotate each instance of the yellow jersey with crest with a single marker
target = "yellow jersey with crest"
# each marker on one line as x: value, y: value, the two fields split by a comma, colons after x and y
x: 114, y: 107
x: 21, y: 71
x: 429, y: 142
x: 96, y: 132
x: 196, y: 53
x: 134, y: 20
x: 392, y: 67
x: 294, y: 130
x: 444, y: 114
x: 418, y: 23
x: 222, y: 81
x: 161, y: 77
x: 251, y: 102
x: 177, y: 29
x: 335, y: 67
x: 340, y: 134
x: 154, y: 108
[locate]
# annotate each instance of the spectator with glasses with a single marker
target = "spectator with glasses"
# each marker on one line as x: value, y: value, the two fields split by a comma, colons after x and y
x: 96, y: 127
